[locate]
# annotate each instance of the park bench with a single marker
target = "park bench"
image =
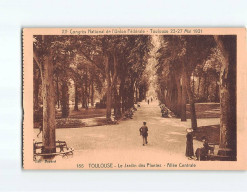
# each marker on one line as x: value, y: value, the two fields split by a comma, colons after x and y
x: 211, y: 156
x: 221, y: 156
x: 211, y: 148
x: 62, y: 147
x: 210, y: 152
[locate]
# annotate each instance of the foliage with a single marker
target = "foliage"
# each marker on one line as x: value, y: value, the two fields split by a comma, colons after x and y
x: 79, y: 63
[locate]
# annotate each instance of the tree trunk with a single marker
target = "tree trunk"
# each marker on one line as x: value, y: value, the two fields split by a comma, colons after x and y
x: 76, y: 97
x: 179, y: 98
x: 82, y: 97
x: 174, y: 99
x: 36, y: 83
x: 183, y: 98
x: 48, y: 137
x: 86, y: 90
x: 58, y: 94
x: 216, y: 90
x: 65, y: 99
x: 109, y: 90
x: 193, y: 84
x: 173, y: 94
x: 207, y: 90
x: 136, y: 92
x: 228, y: 97
x: 131, y: 95
x: 108, y: 103
x: 92, y: 94
x: 198, y: 89
x: 167, y: 98
x: 205, y: 87
x: 117, y: 105
x: 191, y: 99
x: 122, y: 94
x: 110, y: 83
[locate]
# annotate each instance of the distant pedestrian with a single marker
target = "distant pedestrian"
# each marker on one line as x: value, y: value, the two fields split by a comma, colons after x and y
x: 151, y: 99
x: 144, y: 133
x: 148, y: 101
x: 189, y: 144
x: 40, y: 128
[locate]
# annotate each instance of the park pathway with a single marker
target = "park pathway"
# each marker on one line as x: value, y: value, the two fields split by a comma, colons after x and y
x: 123, y: 143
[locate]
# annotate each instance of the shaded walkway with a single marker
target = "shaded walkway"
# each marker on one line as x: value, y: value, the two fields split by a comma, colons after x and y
x: 123, y: 143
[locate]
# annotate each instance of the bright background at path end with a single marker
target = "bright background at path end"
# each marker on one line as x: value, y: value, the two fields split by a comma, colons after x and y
x: 16, y: 14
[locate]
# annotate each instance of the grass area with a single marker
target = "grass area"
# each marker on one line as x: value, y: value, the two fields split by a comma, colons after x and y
x: 75, y: 118
x: 212, y: 132
x: 83, y: 113
x: 95, y: 117
x: 66, y: 123
x: 205, y: 110
x: 69, y: 123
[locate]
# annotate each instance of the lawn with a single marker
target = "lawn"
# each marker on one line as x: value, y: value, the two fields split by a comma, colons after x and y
x: 205, y: 110
x: 83, y: 113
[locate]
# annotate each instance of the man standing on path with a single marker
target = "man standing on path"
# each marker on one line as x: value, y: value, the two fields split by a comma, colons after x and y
x: 144, y: 133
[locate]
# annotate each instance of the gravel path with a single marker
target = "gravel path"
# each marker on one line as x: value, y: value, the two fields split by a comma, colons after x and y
x: 123, y: 143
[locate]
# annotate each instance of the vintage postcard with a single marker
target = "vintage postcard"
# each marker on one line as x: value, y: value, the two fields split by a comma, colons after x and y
x: 134, y: 98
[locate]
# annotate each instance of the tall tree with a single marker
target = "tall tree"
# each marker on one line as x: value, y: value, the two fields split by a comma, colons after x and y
x: 178, y: 57
x: 43, y: 56
x: 227, y: 46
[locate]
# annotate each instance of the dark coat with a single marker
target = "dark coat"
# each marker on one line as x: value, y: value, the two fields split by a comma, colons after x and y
x: 189, y: 145
x: 201, y: 153
x: 144, y: 131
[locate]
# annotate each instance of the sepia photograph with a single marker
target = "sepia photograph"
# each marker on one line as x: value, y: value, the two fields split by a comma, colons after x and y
x: 106, y: 96
x: 131, y: 99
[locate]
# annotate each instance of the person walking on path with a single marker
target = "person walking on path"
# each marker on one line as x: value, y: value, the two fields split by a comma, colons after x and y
x: 144, y: 133
x: 148, y: 101
x: 189, y: 144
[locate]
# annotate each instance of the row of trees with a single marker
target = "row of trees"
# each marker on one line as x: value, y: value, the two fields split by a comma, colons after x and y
x: 212, y: 61
x: 178, y: 57
x: 114, y: 66
x: 111, y: 65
